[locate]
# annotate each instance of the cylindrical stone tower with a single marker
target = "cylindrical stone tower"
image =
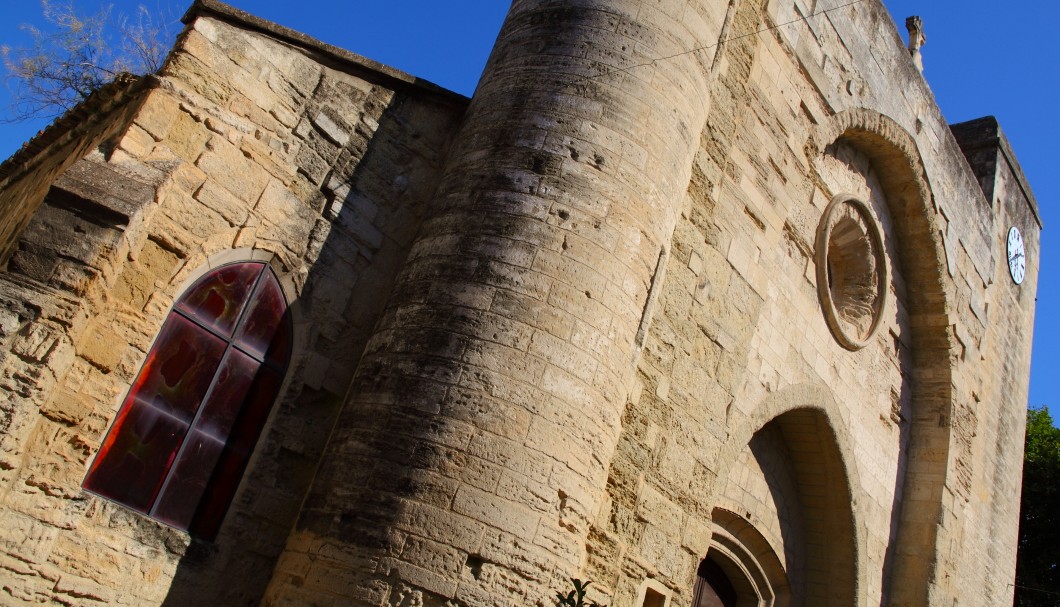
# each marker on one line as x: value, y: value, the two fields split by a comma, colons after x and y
x: 472, y: 456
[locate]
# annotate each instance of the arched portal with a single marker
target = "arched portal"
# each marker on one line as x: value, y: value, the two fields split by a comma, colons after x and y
x: 741, y: 569
x: 786, y: 534
x: 911, y: 556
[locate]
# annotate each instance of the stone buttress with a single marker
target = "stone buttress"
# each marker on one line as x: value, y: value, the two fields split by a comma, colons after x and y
x: 474, y: 446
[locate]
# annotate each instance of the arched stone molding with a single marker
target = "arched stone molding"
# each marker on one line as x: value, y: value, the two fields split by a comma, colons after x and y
x: 290, y: 274
x: 790, y: 398
x: 918, y: 240
x: 795, y: 409
x: 892, y: 149
x: 748, y: 560
x: 198, y: 265
x: 859, y: 265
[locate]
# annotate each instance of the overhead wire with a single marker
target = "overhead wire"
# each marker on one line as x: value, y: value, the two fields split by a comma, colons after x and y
x: 653, y: 61
x: 1031, y: 588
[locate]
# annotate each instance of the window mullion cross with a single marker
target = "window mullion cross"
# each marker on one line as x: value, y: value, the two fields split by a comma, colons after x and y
x: 247, y: 304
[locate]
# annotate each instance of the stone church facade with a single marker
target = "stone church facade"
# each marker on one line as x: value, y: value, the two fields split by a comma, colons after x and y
x: 702, y: 301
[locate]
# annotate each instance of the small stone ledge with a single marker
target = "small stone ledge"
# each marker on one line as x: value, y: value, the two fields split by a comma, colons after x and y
x: 73, y: 125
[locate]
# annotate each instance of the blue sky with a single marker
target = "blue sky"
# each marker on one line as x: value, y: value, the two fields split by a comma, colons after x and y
x: 980, y: 59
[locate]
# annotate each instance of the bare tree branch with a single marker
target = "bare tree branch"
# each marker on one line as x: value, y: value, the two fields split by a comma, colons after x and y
x: 77, y: 54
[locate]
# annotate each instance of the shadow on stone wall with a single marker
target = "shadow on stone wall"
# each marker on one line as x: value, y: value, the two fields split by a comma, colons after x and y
x: 901, y: 414
x: 808, y: 481
x: 372, y: 201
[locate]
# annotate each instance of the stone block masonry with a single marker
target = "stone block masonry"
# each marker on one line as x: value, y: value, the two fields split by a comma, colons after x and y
x: 215, y: 160
x: 571, y: 327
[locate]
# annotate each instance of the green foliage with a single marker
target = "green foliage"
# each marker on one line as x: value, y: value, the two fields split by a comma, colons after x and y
x: 1038, y: 557
x: 576, y: 597
x: 76, y: 54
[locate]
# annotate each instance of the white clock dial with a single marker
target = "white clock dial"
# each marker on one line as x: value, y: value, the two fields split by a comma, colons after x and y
x: 1017, y: 256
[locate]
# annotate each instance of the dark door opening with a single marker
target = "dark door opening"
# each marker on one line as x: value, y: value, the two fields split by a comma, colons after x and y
x: 713, y: 588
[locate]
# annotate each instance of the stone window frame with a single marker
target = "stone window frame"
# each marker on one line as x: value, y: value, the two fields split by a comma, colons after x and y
x: 653, y: 593
x: 271, y: 264
x: 824, y: 292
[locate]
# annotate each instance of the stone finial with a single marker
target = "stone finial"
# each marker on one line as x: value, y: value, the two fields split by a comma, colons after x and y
x: 915, y: 25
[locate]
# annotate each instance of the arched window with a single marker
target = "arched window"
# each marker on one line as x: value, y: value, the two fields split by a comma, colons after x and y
x: 188, y: 426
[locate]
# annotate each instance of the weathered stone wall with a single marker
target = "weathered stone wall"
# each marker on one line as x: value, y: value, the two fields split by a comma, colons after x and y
x: 583, y: 339
x: 26, y: 176
x: 474, y: 449
x: 1001, y: 337
x: 793, y: 116
x: 739, y: 336
x: 252, y: 144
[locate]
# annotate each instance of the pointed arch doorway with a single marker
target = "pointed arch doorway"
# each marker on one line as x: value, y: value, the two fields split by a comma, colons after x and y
x: 713, y: 587
x: 783, y: 527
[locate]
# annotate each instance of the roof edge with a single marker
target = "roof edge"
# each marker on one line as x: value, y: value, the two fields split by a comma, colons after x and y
x: 395, y: 78
x: 98, y: 106
x: 990, y: 134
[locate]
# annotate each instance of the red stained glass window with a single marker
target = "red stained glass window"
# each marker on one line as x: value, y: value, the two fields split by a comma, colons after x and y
x: 185, y: 432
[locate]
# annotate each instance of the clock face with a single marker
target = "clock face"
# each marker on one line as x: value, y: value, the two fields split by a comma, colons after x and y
x: 1017, y: 256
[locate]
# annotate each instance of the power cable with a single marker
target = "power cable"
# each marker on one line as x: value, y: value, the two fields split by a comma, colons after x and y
x: 627, y: 69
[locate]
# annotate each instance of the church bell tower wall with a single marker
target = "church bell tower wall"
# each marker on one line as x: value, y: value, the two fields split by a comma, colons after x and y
x: 491, y: 394
x: 694, y: 299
